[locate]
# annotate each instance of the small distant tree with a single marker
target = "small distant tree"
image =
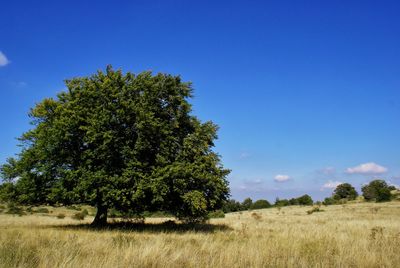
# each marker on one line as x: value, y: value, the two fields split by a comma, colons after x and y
x: 259, y: 204
x: 293, y: 201
x: 231, y: 205
x: 345, y: 191
x: 329, y: 201
x: 305, y: 200
x: 377, y: 190
x: 247, y: 203
x: 281, y: 202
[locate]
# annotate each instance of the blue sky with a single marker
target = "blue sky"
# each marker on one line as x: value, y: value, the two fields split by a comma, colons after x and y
x: 306, y: 93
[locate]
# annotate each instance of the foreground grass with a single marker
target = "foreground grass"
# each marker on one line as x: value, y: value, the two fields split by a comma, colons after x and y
x: 356, y: 235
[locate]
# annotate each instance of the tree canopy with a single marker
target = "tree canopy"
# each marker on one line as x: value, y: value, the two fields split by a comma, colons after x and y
x: 261, y: 203
x: 345, y: 191
x: 120, y: 140
x: 377, y: 190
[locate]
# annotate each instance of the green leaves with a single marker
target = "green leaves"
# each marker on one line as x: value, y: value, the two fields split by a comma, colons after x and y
x: 121, y: 140
x: 345, y: 191
x: 377, y: 190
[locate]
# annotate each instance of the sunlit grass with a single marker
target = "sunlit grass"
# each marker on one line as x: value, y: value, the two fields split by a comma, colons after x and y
x: 352, y: 235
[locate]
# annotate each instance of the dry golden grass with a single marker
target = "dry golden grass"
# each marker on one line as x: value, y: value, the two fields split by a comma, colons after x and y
x: 353, y: 235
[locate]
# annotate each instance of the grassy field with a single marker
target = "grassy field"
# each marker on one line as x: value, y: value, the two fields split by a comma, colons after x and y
x: 351, y: 235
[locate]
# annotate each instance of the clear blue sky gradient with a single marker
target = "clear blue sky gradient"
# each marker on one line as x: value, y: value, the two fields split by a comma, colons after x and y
x: 295, y: 86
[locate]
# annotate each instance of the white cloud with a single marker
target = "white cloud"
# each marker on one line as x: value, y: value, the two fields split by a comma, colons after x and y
x: 281, y: 178
x: 3, y: 59
x: 367, y: 168
x: 253, y: 185
x: 330, y: 185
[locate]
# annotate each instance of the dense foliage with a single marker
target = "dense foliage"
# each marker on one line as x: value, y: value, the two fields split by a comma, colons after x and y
x: 377, y: 190
x: 259, y: 204
x: 121, y: 141
x: 345, y: 191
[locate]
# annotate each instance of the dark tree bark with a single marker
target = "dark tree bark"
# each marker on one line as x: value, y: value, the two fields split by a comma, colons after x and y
x: 101, y: 216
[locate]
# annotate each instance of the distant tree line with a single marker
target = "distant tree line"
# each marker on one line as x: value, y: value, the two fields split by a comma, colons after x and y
x: 375, y: 191
x: 232, y: 205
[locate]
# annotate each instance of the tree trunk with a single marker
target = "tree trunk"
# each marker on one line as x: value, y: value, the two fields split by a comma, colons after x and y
x: 101, y: 216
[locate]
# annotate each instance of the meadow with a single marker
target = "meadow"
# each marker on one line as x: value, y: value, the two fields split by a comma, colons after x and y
x: 349, y: 235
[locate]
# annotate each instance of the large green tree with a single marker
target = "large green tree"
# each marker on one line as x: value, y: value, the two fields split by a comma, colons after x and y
x: 121, y: 140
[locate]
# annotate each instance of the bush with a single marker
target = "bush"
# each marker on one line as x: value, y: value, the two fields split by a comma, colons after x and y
x: 74, y: 208
x: 85, y: 212
x: 41, y: 210
x: 156, y: 214
x: 60, y: 216
x: 114, y: 213
x: 256, y: 216
x: 314, y: 209
x: 216, y: 214
x: 15, y: 210
x: 78, y: 216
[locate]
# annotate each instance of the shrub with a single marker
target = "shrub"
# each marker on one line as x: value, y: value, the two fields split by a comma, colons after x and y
x: 256, y: 216
x: 156, y: 214
x: 41, y: 210
x: 216, y: 214
x: 15, y: 210
x: 60, y: 216
x: 78, y: 216
x: 73, y: 208
x: 113, y: 213
x: 314, y: 209
x: 377, y: 233
x: 85, y: 212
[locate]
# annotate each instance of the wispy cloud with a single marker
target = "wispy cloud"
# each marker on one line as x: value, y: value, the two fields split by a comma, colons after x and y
x: 255, y: 185
x: 282, y: 178
x: 367, y: 169
x: 330, y: 185
x: 3, y: 59
x: 244, y: 155
x: 20, y: 84
x: 328, y: 170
